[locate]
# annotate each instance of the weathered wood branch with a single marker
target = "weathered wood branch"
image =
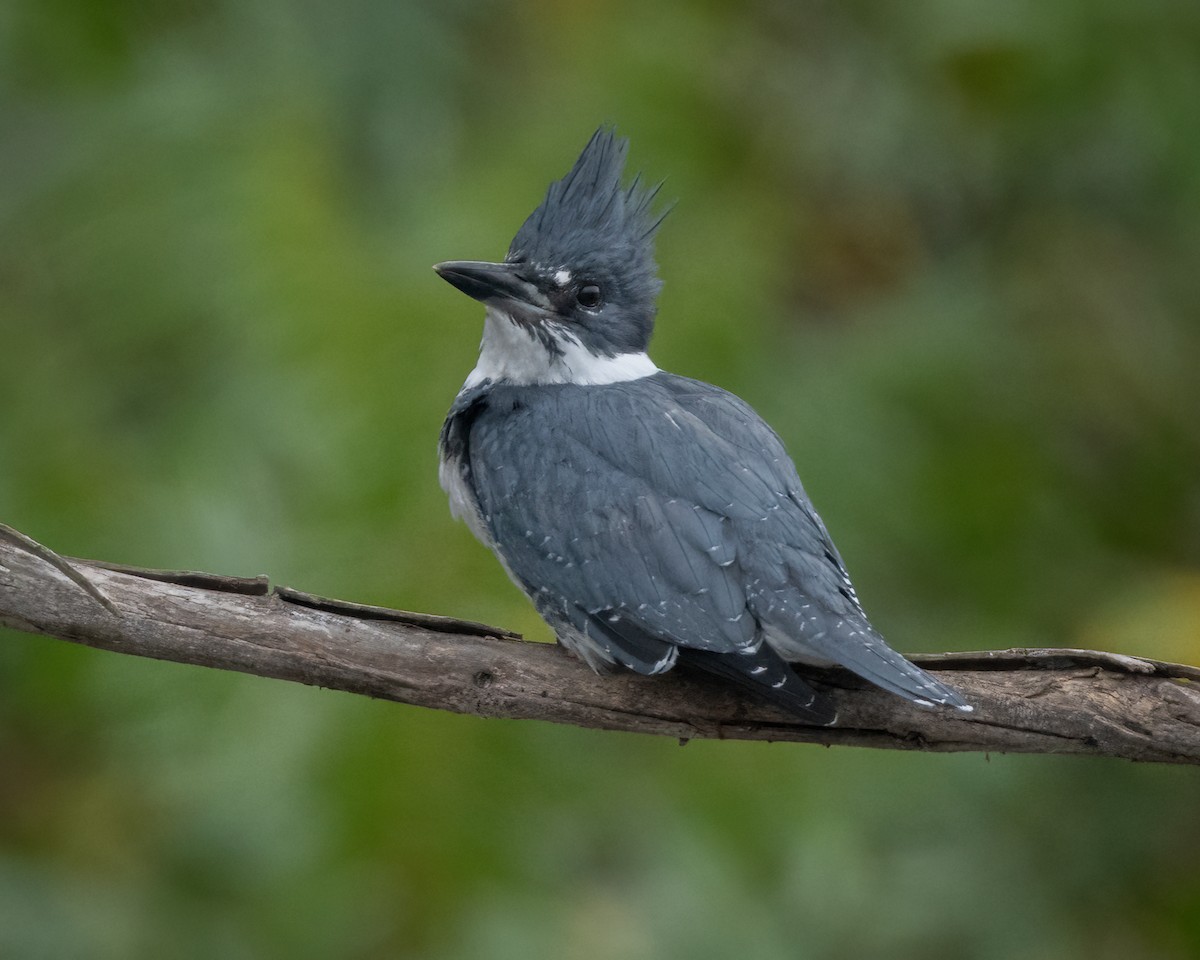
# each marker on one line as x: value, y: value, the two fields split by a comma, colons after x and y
x: 1027, y: 701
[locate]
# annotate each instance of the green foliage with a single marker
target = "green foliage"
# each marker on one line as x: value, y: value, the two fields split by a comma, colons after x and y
x: 948, y: 250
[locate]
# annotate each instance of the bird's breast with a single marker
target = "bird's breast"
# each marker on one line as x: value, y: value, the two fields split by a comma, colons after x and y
x: 454, y: 460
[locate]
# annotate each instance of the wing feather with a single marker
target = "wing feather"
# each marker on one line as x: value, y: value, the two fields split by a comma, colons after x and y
x: 664, y: 513
x: 598, y: 531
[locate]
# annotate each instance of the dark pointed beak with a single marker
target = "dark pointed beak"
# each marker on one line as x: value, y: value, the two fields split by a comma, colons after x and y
x: 494, y: 283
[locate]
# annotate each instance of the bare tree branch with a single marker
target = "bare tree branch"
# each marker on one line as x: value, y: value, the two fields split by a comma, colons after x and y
x: 1027, y: 701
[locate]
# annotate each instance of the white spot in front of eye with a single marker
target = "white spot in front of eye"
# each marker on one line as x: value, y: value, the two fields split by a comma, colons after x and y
x: 562, y: 277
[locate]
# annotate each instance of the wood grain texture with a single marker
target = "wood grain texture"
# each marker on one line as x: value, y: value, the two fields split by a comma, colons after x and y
x: 1027, y: 701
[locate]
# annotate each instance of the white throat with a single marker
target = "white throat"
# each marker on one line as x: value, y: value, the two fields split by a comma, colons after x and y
x: 509, y: 352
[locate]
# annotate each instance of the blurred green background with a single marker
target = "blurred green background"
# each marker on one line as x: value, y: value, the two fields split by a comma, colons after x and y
x: 949, y: 250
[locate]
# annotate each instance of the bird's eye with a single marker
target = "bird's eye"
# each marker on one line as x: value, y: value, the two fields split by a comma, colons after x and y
x: 589, y: 296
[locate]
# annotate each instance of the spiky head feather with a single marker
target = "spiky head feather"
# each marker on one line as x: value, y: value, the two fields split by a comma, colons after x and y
x: 590, y: 223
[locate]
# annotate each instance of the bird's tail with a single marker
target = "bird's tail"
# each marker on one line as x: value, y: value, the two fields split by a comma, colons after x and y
x: 768, y: 675
x: 856, y: 645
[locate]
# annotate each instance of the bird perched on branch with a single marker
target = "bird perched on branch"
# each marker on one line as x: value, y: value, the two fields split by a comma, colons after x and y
x: 653, y: 520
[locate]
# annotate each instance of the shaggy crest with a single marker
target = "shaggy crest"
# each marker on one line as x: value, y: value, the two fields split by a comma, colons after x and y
x: 588, y: 219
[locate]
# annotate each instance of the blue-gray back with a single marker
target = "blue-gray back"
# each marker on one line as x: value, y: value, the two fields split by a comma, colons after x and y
x: 663, y: 501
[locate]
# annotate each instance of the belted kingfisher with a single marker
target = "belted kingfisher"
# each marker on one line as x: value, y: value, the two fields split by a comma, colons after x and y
x: 653, y: 520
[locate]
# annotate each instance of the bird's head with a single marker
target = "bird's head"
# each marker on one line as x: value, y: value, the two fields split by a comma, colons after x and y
x: 580, y: 278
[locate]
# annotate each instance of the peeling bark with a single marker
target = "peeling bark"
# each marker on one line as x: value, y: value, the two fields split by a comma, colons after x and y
x: 1026, y: 701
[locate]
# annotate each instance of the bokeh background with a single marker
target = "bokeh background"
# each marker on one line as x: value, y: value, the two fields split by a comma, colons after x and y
x: 950, y: 250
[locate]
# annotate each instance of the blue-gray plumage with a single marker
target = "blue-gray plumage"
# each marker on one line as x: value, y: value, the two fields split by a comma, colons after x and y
x: 652, y: 519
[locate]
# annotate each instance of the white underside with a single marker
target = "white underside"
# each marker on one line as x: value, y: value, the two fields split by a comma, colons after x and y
x: 463, y: 505
x: 510, y: 353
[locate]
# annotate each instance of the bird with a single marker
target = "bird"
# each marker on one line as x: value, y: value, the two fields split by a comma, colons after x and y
x: 653, y: 520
